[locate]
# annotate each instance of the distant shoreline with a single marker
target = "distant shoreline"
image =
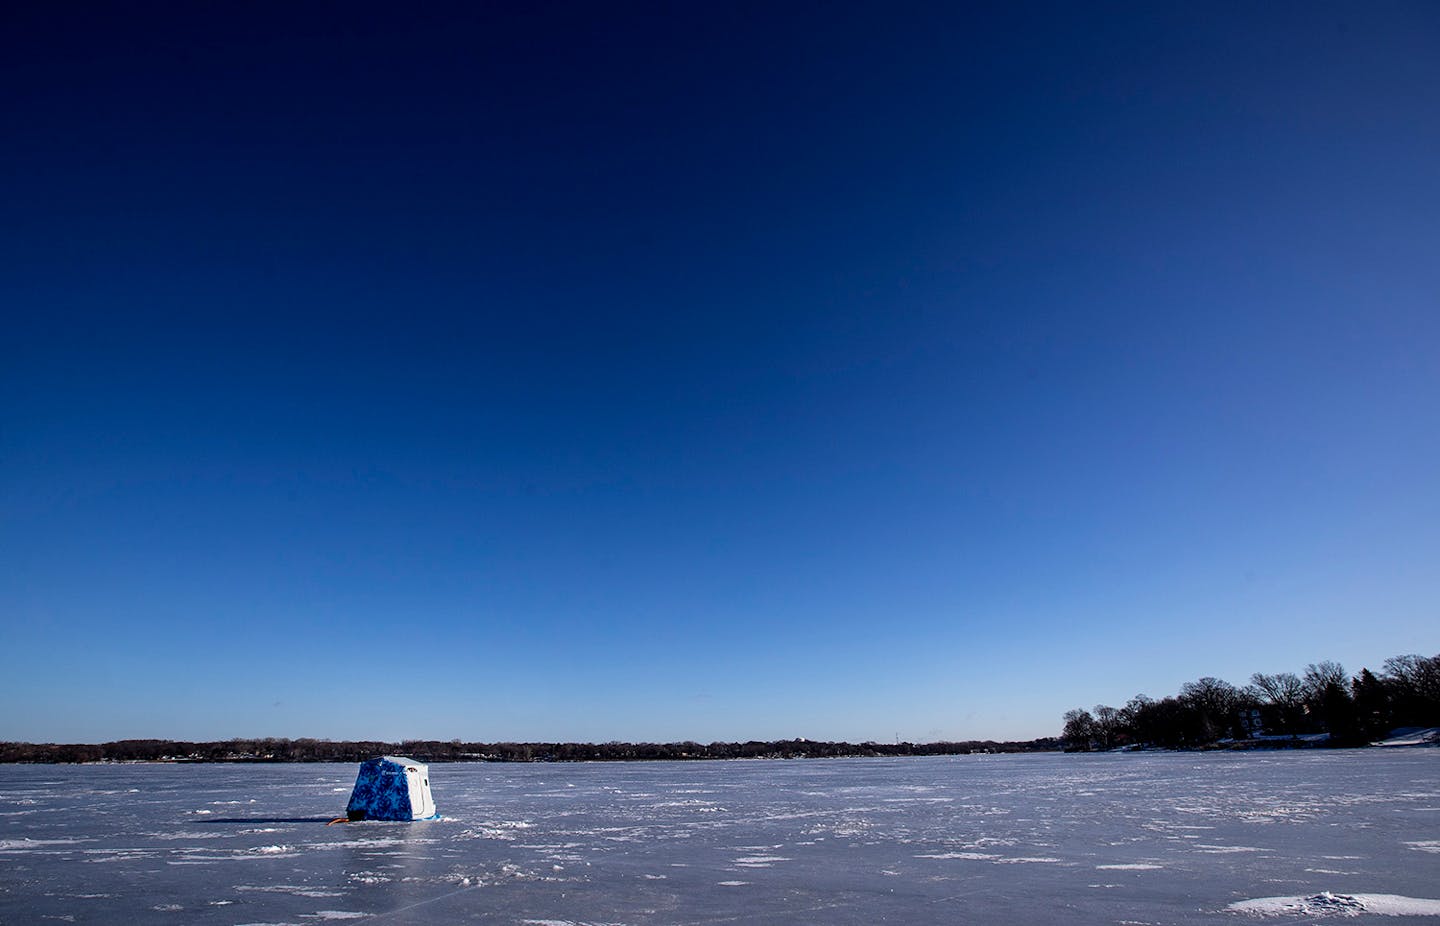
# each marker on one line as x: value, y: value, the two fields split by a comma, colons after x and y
x: 272, y: 751
x: 310, y: 750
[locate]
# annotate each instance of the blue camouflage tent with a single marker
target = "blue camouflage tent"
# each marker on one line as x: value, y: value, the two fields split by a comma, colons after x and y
x: 392, y: 788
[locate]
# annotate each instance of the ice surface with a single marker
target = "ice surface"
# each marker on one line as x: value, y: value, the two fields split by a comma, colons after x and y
x: 1413, y: 736
x: 1141, y: 838
x: 1328, y: 904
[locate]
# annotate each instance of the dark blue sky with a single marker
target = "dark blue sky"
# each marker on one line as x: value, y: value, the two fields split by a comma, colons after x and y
x: 660, y: 372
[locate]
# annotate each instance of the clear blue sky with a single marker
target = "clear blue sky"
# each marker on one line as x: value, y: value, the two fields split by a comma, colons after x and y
x: 710, y: 371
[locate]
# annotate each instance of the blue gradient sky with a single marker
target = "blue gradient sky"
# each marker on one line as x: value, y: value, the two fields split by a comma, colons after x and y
x: 707, y: 371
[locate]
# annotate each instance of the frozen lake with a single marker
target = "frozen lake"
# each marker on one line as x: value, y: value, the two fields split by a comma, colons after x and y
x: 1134, y: 839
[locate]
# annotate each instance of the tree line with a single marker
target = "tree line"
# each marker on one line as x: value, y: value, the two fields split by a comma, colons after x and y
x: 1324, y: 699
x: 316, y: 750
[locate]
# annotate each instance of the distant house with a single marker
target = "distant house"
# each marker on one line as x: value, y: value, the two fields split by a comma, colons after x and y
x: 1250, y: 722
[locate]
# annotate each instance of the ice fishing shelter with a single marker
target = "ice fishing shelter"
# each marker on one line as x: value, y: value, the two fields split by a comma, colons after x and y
x: 392, y: 788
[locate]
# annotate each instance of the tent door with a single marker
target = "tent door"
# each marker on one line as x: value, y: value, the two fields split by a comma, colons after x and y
x: 417, y: 792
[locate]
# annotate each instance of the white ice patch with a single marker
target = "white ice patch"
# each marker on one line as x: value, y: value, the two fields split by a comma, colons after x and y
x: 1425, y: 845
x: 299, y: 890
x: 1412, y: 736
x: 733, y: 883
x: 380, y: 842
x: 759, y: 861
x: 334, y: 915
x: 1328, y: 904
x: 1131, y: 866
x: 30, y: 845
x: 504, y: 830
x: 919, y: 800
x: 118, y: 855
x: 972, y: 856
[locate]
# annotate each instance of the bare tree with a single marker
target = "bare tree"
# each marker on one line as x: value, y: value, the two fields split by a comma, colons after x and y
x: 1415, y: 675
x: 1320, y: 676
x: 1109, y: 726
x: 1213, y: 695
x: 1283, y: 697
x: 1215, y: 700
x: 1414, y: 682
x: 1079, y: 732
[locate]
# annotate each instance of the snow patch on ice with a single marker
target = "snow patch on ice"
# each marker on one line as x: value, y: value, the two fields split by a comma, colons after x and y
x: 299, y: 890
x: 502, y: 830
x: 919, y: 800
x: 760, y: 861
x: 29, y: 845
x: 383, y: 842
x: 973, y: 856
x: 1131, y: 866
x: 1412, y: 736
x: 1326, y: 903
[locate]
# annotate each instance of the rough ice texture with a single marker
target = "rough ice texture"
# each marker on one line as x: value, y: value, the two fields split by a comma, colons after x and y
x: 1330, y: 904
x: 1154, y: 838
